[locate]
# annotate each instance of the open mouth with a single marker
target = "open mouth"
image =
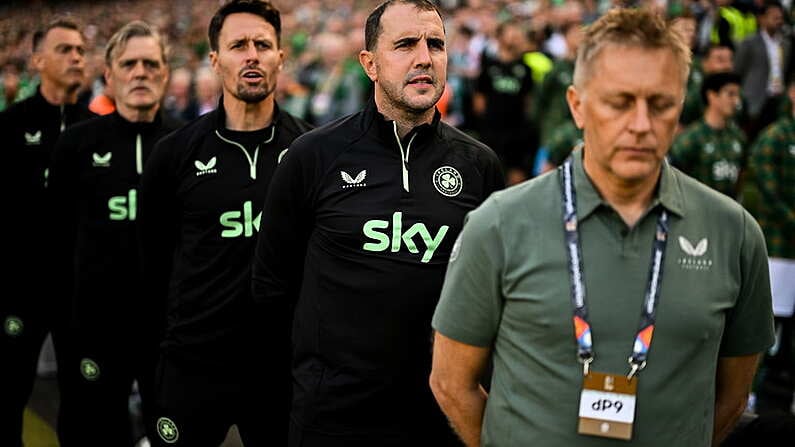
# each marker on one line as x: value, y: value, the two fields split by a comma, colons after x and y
x: 252, y: 75
x: 421, y: 80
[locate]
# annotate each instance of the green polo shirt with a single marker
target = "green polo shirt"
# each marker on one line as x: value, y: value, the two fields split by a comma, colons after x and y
x: 507, y: 288
x: 712, y: 156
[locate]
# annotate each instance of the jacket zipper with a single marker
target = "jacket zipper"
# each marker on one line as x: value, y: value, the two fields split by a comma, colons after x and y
x: 252, y: 163
x: 404, y: 156
x: 139, y: 160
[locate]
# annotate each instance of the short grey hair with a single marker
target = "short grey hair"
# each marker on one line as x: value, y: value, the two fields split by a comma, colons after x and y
x: 634, y: 27
x: 136, y: 28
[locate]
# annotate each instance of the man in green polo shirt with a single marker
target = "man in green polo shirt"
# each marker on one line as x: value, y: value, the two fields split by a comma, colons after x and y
x: 712, y: 149
x: 645, y: 250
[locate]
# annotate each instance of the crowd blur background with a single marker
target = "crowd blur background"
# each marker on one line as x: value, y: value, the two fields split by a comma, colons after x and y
x: 509, y: 61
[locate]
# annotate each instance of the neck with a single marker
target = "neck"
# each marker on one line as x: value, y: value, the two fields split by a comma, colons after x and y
x: 630, y: 199
x: 506, y: 55
x: 714, y: 119
x: 57, y: 95
x: 138, y: 115
x: 405, y: 120
x: 245, y: 116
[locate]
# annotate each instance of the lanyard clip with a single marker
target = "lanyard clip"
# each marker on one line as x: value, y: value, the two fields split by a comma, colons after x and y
x: 635, y: 367
x: 586, y: 364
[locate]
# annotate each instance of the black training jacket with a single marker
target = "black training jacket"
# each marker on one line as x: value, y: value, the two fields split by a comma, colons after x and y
x: 94, y: 181
x: 200, y: 205
x: 370, y: 219
x: 30, y: 129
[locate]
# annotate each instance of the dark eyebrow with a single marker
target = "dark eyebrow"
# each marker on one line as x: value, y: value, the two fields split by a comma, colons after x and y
x: 407, y: 40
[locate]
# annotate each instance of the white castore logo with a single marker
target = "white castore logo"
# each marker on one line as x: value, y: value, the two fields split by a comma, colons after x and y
x: 33, y: 138
x: 102, y: 161
x: 205, y: 168
x: 354, y: 182
x: 688, y: 248
x: 694, y: 258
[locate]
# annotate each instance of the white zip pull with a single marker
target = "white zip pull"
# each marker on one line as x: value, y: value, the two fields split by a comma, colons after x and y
x: 252, y: 163
x: 63, y: 118
x: 404, y: 156
x: 139, y: 159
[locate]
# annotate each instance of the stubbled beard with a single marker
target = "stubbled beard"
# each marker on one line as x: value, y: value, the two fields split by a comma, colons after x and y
x: 252, y: 96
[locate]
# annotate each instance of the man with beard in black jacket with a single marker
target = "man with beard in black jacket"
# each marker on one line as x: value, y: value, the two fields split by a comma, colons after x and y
x: 94, y: 180
x: 360, y: 221
x: 203, y: 190
x: 30, y: 129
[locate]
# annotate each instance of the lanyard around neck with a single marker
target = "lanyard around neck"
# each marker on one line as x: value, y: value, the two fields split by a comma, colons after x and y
x: 582, y: 327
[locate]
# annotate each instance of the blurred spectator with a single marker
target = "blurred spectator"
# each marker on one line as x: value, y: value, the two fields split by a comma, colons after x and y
x: 762, y: 61
x: 717, y: 59
x: 502, y: 103
x: 711, y: 150
x: 773, y: 170
x: 208, y: 90
x: 180, y: 103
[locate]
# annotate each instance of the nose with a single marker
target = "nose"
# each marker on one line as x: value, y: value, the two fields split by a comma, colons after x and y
x: 639, y: 121
x: 422, y: 55
x: 251, y: 52
x: 76, y: 55
x: 139, y: 71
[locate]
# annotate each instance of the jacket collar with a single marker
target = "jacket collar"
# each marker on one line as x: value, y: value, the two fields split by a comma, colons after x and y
x: 668, y: 193
x: 385, y: 128
x: 220, y: 115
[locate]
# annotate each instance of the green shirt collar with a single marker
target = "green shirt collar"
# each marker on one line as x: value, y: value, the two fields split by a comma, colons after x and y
x: 669, y: 192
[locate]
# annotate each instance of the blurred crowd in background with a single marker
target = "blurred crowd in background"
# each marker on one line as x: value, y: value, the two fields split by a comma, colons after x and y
x: 510, y: 62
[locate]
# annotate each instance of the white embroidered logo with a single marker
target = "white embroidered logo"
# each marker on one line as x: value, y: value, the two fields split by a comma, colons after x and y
x: 354, y: 182
x: 102, y: 161
x: 688, y: 248
x: 447, y: 180
x: 33, y: 138
x: 205, y: 168
x: 695, y: 254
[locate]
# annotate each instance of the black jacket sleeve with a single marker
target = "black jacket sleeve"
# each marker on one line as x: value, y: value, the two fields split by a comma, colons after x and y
x: 286, y: 224
x: 158, y: 227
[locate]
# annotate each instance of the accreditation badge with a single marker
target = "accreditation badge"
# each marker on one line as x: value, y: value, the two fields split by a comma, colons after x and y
x: 607, y: 405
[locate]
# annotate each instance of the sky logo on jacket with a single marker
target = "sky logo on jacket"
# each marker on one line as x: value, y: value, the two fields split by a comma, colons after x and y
x: 124, y: 207
x: 206, y: 168
x: 102, y: 161
x: 382, y: 241
x: 237, y: 223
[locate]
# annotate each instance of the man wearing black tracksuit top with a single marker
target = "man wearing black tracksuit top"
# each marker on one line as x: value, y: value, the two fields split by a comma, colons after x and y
x: 202, y: 197
x: 368, y: 209
x: 31, y: 306
x: 94, y: 180
x: 201, y: 202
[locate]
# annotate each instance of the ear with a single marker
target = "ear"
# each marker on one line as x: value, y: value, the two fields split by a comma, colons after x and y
x: 367, y: 61
x: 37, y: 61
x: 575, y: 100
x: 108, y: 78
x: 214, y: 61
x: 281, y: 60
